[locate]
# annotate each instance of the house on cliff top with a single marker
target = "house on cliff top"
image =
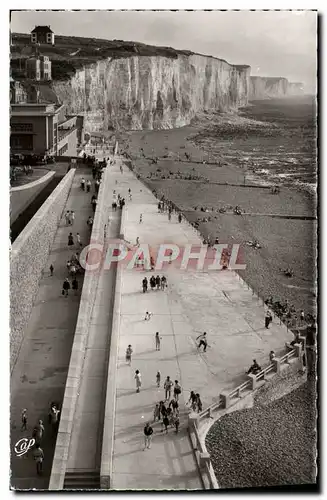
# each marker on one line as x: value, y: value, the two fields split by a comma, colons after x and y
x: 42, y: 34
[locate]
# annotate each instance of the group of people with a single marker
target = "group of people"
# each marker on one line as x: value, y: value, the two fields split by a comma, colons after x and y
x: 39, y: 432
x: 287, y: 312
x: 118, y: 200
x: 70, y: 217
x: 155, y: 283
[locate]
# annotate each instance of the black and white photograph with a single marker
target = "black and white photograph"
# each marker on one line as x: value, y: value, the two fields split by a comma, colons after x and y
x: 163, y: 250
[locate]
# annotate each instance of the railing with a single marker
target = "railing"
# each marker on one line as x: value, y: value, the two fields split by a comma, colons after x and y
x: 202, y: 456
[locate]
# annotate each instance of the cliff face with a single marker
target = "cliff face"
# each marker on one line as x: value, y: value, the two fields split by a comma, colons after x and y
x: 267, y: 87
x: 152, y: 92
x: 295, y: 88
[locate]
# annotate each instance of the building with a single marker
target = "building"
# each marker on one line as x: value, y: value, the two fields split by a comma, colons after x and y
x: 44, y: 129
x: 38, y: 68
x: 17, y: 92
x: 42, y: 34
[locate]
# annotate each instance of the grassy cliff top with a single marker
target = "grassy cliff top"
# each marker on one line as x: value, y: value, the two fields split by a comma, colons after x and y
x: 71, y: 52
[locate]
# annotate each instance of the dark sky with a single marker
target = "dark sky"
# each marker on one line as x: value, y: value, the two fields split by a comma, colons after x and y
x: 272, y: 43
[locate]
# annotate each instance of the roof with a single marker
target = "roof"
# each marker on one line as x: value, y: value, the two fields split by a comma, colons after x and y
x: 42, y: 29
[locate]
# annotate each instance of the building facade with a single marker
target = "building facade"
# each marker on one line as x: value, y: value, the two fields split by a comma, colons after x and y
x: 42, y: 34
x: 43, y: 129
x: 17, y: 92
x: 38, y: 68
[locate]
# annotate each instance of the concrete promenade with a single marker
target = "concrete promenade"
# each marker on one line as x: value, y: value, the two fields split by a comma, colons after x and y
x: 216, y: 302
x: 39, y: 375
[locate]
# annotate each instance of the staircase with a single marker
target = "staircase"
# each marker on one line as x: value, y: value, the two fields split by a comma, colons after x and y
x: 82, y: 480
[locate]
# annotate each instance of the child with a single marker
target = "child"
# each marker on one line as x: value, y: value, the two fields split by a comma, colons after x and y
x: 176, y: 424
x: 158, y: 377
x: 138, y: 380
x: 165, y: 422
x: 156, y: 413
x: 129, y: 352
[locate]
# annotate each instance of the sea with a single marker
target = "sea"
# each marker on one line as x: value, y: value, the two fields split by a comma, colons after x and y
x: 287, y: 153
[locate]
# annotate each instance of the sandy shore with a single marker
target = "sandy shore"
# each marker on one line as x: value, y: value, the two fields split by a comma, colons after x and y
x: 285, y: 242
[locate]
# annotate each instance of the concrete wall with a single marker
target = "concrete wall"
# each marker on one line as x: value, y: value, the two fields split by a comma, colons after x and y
x: 76, y: 363
x: 28, y: 257
x: 22, y: 196
x: 110, y: 408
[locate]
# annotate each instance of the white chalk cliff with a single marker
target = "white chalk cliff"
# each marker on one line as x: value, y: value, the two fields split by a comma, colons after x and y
x: 152, y: 92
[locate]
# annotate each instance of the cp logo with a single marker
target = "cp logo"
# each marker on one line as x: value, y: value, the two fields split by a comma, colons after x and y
x: 23, y: 445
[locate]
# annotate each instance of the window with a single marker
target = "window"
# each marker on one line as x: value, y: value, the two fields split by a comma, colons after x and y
x: 34, y: 37
x: 21, y: 127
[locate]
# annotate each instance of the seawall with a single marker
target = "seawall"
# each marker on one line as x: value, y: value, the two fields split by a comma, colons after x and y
x: 22, y: 196
x: 152, y: 92
x: 28, y: 257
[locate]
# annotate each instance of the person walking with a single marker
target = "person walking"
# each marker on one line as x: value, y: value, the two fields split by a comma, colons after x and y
x: 88, y: 185
x: 145, y: 284
x: 51, y: 270
x: 38, y: 432
x: 203, y: 341
x: 179, y: 217
x: 75, y: 284
x: 65, y: 287
x: 141, y: 218
x: 67, y: 218
x: 94, y: 204
x: 167, y: 386
x: 78, y: 238
x: 89, y: 222
x: 24, y: 420
x: 158, y: 378
x: 70, y: 240
x: 147, y: 316
x: 138, y: 380
x: 129, y: 352
x: 174, y: 406
x: 176, y: 423
x: 177, y: 390
x: 148, y: 431
x: 192, y: 400
x: 72, y: 217
x: 302, y: 315
x: 83, y: 183
x: 158, y: 282
x: 165, y: 422
x: 268, y: 319
x: 38, y: 457
x: 157, y: 338
x: 152, y: 282
x: 163, y: 282
x: 156, y: 413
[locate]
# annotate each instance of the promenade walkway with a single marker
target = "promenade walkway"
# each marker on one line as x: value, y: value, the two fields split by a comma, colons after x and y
x: 39, y: 375
x: 216, y: 302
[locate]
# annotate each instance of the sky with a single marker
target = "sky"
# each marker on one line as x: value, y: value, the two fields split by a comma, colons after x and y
x: 273, y: 43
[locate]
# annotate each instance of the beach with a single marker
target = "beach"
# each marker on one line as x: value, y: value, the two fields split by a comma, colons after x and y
x: 162, y: 157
